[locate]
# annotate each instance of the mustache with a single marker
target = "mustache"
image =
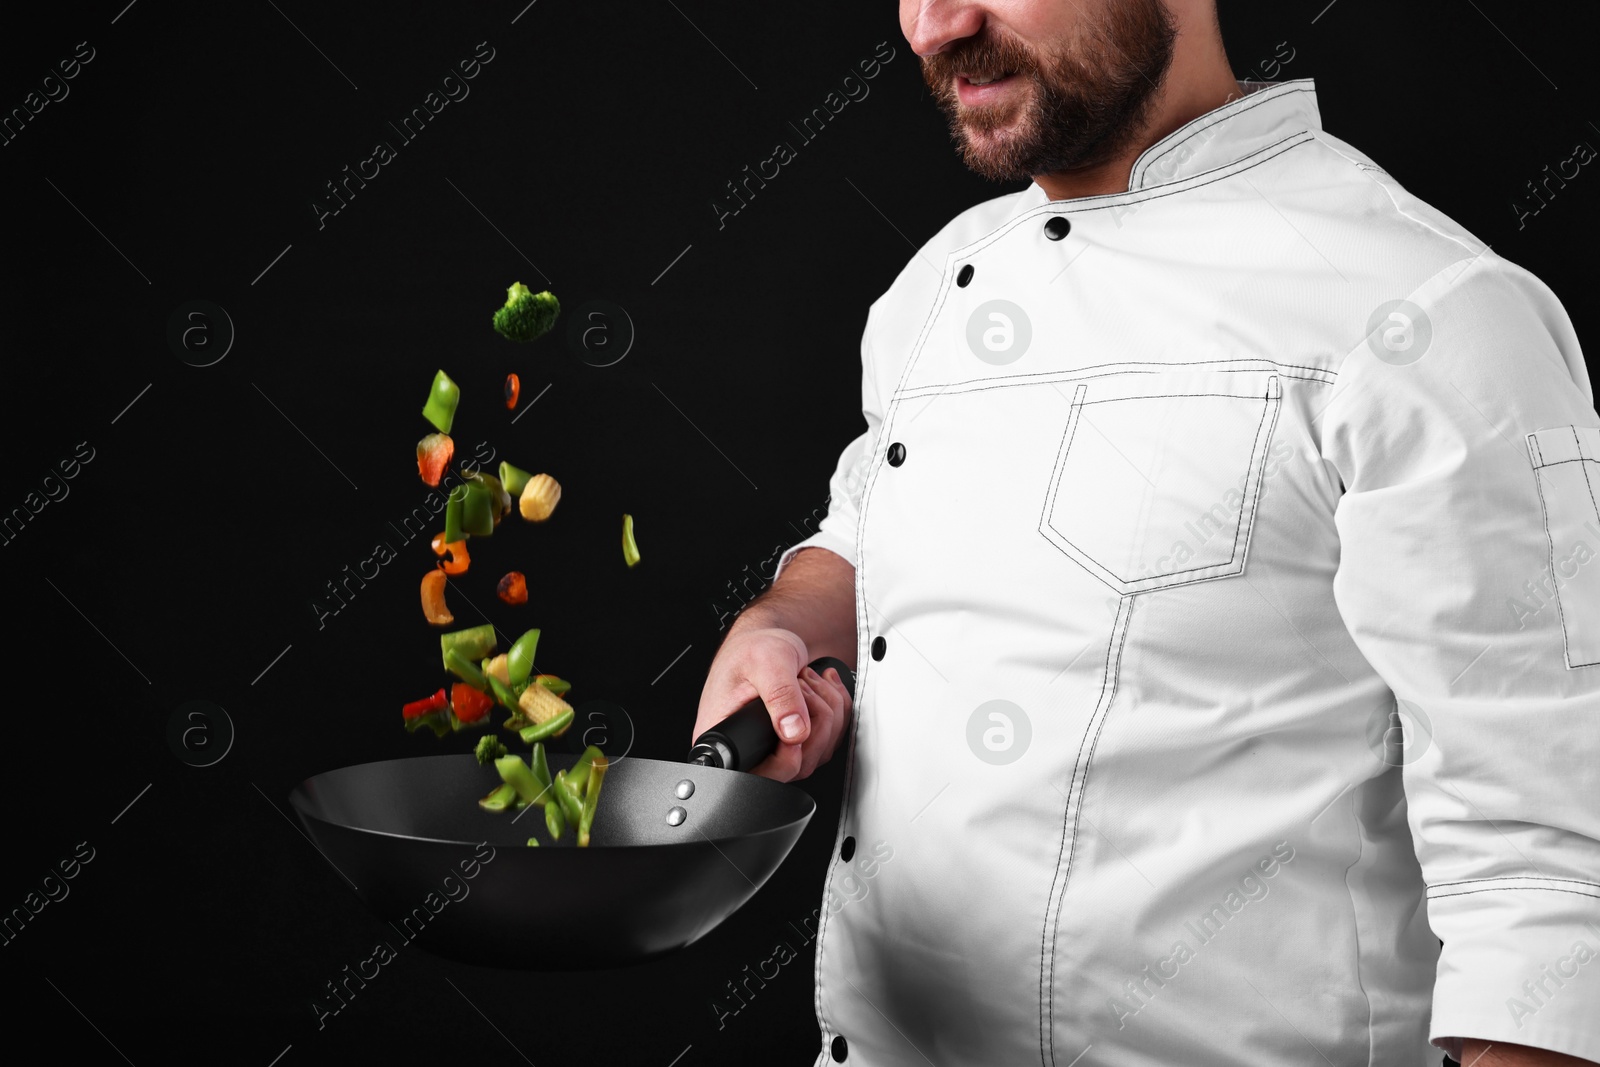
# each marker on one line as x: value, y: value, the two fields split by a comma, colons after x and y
x: 982, y: 57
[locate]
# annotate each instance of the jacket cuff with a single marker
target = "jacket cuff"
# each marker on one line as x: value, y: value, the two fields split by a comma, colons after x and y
x: 1520, y: 964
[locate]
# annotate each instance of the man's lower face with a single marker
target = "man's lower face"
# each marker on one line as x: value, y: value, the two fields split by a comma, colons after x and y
x: 997, y: 136
x: 997, y: 117
x: 1017, y: 109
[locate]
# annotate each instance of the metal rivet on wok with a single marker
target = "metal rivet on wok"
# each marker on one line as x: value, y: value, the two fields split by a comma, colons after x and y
x: 676, y: 816
x: 684, y: 789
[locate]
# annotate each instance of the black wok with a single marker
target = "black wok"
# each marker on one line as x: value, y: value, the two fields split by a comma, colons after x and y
x: 463, y: 883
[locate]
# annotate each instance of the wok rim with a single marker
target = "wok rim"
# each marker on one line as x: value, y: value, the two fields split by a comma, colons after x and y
x: 299, y: 799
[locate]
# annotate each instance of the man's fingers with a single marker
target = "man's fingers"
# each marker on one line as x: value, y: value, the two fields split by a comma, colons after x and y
x: 832, y: 688
x: 782, y: 766
x: 798, y: 758
x: 826, y: 723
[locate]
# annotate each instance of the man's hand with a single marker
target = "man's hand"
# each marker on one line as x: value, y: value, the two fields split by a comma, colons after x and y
x: 1475, y: 1053
x: 809, y: 710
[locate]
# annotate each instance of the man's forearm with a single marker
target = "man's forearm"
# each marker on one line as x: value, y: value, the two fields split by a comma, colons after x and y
x: 815, y: 598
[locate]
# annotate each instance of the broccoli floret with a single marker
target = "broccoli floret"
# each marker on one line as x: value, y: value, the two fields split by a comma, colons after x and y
x: 527, y: 315
x: 490, y: 748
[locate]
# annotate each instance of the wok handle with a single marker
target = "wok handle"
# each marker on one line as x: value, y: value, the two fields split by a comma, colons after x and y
x: 746, y: 737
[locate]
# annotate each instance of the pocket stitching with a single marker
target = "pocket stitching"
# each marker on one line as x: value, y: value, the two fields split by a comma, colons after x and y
x: 1234, y: 564
x: 1577, y: 443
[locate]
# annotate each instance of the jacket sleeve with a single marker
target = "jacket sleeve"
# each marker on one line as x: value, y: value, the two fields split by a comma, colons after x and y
x: 837, y: 530
x: 1469, y: 577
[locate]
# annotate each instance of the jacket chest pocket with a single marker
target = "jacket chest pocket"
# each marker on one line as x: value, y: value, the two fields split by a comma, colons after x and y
x: 1159, y: 489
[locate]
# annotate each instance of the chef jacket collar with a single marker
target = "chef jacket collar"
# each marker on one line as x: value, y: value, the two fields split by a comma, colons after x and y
x: 1266, y: 114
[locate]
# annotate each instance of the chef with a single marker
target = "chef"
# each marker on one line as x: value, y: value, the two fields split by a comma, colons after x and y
x: 1220, y: 568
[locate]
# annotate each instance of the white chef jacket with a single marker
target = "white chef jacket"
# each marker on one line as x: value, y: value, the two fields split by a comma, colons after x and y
x: 1228, y: 607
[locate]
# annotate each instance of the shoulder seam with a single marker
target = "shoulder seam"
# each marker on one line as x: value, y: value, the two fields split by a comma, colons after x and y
x: 1366, y: 169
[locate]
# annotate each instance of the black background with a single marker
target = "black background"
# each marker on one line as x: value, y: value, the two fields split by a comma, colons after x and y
x: 189, y: 550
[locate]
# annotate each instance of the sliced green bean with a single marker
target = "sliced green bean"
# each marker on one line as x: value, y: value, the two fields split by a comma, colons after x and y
x: 591, y: 799
x: 554, y: 821
x: 571, y: 806
x: 541, y: 767
x: 578, y: 777
x: 499, y: 800
x: 549, y: 728
x: 516, y: 774
x: 502, y: 692
x: 465, y: 669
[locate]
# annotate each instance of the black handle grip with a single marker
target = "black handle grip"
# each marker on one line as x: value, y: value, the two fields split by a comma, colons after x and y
x: 746, y: 737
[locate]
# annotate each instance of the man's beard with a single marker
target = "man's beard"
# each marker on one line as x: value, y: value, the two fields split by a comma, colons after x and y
x: 1081, y: 108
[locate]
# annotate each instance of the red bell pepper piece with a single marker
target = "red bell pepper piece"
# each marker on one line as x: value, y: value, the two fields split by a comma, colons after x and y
x: 470, y: 704
x: 422, y: 707
x: 433, y: 456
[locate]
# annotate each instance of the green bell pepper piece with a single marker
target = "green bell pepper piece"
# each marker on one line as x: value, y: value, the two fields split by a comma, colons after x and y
x: 475, y: 642
x: 442, y: 400
x: 515, y: 479
x: 549, y: 728
x: 533, y: 842
x: 519, y: 658
x: 438, y: 720
x: 630, y: 549
x: 499, y: 499
x: 457, y: 725
x: 500, y: 799
x: 452, y: 514
x: 477, y: 509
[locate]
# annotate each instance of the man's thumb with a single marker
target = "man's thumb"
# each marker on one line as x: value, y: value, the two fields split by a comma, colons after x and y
x: 787, y: 705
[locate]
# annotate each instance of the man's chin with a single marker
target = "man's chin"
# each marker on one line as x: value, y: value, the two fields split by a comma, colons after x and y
x: 992, y: 153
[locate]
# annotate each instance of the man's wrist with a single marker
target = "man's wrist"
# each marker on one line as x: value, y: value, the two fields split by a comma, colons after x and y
x: 1476, y: 1052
